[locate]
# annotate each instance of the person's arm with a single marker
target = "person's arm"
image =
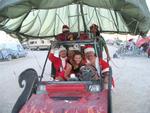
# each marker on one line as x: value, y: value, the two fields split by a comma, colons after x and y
x: 106, y: 48
x: 68, y: 71
x: 107, y: 52
x: 104, y: 66
x: 51, y: 57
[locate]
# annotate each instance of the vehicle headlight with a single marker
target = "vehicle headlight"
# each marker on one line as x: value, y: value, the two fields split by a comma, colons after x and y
x: 41, y: 89
x: 94, y: 88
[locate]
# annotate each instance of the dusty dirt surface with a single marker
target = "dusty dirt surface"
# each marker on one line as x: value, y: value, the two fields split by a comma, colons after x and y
x: 132, y: 76
x: 9, y: 72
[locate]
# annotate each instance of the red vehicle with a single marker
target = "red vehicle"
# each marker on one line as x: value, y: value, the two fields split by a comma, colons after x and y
x: 63, y: 96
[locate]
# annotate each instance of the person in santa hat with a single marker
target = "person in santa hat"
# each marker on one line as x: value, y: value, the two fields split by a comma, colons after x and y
x: 66, y: 35
x: 101, y: 66
x: 62, y: 67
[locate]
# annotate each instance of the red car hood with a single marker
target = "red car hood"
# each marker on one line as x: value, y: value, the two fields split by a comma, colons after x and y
x: 43, y: 103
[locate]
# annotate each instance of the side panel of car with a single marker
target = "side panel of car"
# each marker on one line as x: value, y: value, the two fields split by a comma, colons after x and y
x: 5, y: 54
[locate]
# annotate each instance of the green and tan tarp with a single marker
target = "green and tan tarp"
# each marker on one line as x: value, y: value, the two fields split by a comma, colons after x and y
x: 44, y: 18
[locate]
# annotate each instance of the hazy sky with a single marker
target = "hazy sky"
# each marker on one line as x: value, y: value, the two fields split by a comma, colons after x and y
x: 148, y: 4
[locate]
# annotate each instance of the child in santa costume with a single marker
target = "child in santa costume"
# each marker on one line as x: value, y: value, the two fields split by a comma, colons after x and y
x: 62, y: 67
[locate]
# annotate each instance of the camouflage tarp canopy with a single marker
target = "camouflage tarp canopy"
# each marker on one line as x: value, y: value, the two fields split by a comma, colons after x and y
x: 44, y: 18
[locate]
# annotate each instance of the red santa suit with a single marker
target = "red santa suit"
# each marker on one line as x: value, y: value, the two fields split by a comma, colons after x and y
x: 104, y: 65
x: 62, y: 36
x: 59, y: 64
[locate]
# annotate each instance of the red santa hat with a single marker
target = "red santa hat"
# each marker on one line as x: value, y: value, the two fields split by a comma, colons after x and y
x: 89, y: 48
x: 62, y: 48
x: 65, y: 28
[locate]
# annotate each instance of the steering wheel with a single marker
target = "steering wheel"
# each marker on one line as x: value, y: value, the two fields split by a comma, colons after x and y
x: 88, y: 72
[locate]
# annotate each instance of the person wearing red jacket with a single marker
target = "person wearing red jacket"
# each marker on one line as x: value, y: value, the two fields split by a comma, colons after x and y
x: 66, y: 35
x: 101, y: 66
x: 62, y: 67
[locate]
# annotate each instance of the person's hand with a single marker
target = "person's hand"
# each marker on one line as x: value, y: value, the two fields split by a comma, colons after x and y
x: 51, y: 79
x: 97, y: 38
x: 108, y: 58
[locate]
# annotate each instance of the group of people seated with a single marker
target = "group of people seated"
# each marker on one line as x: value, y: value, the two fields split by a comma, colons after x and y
x: 77, y: 62
x: 72, y: 61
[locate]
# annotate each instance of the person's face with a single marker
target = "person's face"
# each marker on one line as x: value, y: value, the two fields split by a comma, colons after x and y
x: 94, y: 30
x: 63, y: 53
x: 90, y: 56
x: 77, y: 59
